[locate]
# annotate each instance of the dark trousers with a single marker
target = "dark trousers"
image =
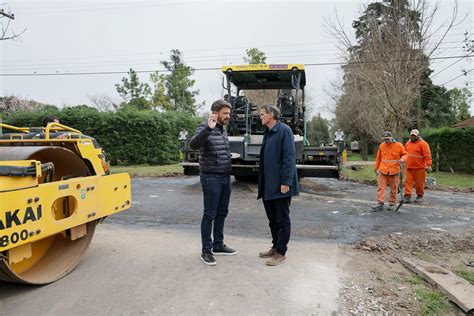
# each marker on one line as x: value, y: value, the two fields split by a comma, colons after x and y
x: 216, y: 191
x: 278, y: 213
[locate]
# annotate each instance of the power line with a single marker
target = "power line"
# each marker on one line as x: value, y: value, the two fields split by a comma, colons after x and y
x: 184, y: 52
x: 95, y: 73
x: 206, y: 69
x: 201, y: 50
x: 465, y: 72
x: 384, y: 61
x: 60, y: 6
x: 96, y: 9
x: 192, y: 58
x: 202, y: 58
x: 452, y: 64
x: 92, y: 9
x: 134, y: 65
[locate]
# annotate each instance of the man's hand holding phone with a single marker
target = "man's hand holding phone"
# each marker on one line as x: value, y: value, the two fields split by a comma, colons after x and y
x: 212, y: 120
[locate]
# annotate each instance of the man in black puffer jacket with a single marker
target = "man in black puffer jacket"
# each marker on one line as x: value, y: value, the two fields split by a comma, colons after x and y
x: 214, y: 167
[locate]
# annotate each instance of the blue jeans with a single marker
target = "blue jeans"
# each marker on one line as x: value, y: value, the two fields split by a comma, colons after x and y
x: 216, y: 191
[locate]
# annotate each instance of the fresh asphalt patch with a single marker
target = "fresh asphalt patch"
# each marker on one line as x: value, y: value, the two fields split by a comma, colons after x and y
x: 326, y: 210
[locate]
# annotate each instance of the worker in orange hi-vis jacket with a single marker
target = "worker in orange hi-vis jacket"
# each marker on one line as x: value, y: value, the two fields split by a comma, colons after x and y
x: 418, y: 162
x: 387, y: 166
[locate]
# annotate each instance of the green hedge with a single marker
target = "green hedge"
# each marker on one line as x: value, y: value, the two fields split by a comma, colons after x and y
x: 452, y: 149
x: 127, y: 136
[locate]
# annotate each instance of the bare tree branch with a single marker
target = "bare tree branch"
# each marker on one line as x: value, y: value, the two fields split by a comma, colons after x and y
x: 103, y: 102
x: 378, y: 96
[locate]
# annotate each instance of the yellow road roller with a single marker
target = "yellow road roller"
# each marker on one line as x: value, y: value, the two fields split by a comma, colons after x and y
x: 55, y: 187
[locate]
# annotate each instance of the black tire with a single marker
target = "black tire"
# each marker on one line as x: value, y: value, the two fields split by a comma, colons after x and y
x: 252, y: 179
x: 191, y: 171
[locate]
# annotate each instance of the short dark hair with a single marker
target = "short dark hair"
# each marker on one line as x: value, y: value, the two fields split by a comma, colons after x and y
x: 219, y: 104
x: 49, y: 119
x: 270, y: 108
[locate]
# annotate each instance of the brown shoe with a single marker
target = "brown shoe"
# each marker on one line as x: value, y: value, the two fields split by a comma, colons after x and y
x: 276, y: 259
x: 267, y: 254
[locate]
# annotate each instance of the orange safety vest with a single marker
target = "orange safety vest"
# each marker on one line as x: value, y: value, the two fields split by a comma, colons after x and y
x: 419, y: 154
x: 388, y: 156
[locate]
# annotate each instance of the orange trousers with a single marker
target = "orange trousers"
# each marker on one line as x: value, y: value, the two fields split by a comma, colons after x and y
x: 392, y: 182
x: 419, y: 177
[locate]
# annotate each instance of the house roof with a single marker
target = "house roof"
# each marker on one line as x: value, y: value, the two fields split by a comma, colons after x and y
x: 466, y: 123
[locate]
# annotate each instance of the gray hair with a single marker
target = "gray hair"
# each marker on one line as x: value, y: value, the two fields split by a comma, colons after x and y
x: 270, y: 108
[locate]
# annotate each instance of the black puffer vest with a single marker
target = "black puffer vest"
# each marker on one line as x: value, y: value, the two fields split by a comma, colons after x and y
x: 213, y: 145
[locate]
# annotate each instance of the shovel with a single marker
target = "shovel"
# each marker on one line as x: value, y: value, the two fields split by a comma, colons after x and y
x: 400, y: 188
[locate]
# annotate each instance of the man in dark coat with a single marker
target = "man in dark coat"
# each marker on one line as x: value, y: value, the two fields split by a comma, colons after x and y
x: 214, y: 169
x: 277, y: 181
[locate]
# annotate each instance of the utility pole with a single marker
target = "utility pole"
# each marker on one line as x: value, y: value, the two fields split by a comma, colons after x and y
x: 11, y: 16
x: 4, y: 28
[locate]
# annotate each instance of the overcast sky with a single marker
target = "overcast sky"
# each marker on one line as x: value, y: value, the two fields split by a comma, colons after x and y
x: 95, y: 37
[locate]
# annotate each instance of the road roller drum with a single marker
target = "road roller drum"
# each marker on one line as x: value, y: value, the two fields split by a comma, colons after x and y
x: 55, y: 187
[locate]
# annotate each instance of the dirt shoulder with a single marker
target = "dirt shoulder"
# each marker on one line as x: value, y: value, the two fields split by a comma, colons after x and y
x: 378, y: 282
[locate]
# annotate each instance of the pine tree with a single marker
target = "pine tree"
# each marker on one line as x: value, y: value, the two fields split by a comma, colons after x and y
x: 134, y: 92
x: 255, y: 56
x: 179, y: 84
x: 159, y: 98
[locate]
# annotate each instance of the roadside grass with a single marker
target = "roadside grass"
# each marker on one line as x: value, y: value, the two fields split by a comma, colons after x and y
x: 467, y: 275
x: 424, y: 256
x: 415, y: 280
x: 443, y: 179
x: 148, y: 171
x: 457, y: 180
x: 358, y: 157
x: 365, y: 173
x: 432, y: 302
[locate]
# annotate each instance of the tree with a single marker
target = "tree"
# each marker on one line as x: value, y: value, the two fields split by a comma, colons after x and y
x: 178, y: 84
x: 134, y: 92
x: 460, y: 103
x: 317, y: 131
x: 159, y: 98
x: 12, y: 104
x: 384, y: 69
x: 254, y: 56
x: 103, y: 102
x: 436, y: 109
